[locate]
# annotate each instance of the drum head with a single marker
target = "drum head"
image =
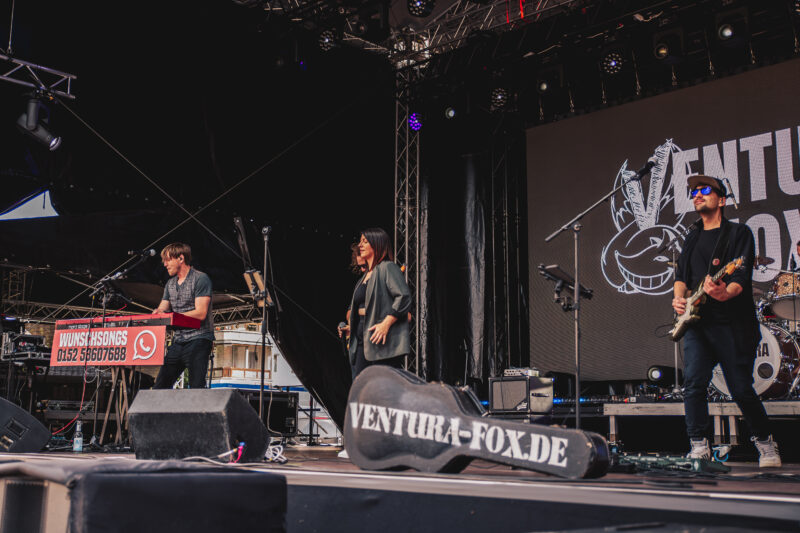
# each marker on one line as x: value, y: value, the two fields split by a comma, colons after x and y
x: 768, y: 366
x: 787, y: 307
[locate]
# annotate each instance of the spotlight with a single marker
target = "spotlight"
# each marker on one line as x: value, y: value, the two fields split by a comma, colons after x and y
x: 415, y: 121
x: 662, y: 375
x: 542, y: 86
x: 668, y: 46
x: 31, y: 124
x: 450, y: 113
x: 499, y: 98
x: 327, y: 40
x: 612, y: 62
x: 549, y: 78
x: 421, y: 8
x: 725, y: 32
x: 733, y: 28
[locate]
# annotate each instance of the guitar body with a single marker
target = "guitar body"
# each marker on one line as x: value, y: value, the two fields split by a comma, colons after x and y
x: 689, y: 317
x: 396, y: 421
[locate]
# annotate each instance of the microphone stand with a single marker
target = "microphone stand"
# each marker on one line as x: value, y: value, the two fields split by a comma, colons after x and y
x: 264, y: 318
x: 576, y: 226
x: 672, y: 246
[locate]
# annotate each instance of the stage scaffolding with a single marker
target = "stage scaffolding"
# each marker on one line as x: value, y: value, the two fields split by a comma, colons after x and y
x: 407, y: 205
x: 14, y: 302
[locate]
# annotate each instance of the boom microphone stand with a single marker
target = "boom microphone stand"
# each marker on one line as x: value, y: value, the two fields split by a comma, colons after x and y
x: 576, y: 226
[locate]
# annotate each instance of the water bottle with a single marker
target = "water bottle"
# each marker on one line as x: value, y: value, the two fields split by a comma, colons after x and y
x: 77, y: 442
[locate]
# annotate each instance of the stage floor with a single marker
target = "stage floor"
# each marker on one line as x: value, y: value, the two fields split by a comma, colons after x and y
x: 326, y: 493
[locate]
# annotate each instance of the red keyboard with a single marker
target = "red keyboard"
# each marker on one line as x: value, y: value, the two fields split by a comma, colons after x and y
x: 171, y: 320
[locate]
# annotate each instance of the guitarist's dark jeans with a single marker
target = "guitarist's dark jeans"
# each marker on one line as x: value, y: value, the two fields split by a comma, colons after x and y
x: 705, y: 345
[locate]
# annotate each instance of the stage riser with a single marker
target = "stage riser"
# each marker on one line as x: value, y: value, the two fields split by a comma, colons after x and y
x: 315, y: 508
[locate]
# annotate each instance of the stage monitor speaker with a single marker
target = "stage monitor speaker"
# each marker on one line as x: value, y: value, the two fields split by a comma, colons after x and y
x: 173, y: 424
x: 19, y: 431
x: 521, y: 394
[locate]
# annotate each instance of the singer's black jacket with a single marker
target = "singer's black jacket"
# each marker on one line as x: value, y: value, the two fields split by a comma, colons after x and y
x: 387, y: 294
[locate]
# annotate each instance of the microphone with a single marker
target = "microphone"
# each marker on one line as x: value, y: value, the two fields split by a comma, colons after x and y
x: 730, y: 193
x: 642, y: 172
x: 342, y: 325
x: 792, y: 263
x: 147, y: 253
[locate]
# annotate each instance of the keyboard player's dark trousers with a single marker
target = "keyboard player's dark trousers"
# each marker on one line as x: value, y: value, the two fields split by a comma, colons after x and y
x: 192, y: 354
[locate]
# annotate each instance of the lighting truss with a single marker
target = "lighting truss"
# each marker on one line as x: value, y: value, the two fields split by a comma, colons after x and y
x: 452, y: 27
x: 406, y: 206
x: 45, y: 79
x: 48, y: 313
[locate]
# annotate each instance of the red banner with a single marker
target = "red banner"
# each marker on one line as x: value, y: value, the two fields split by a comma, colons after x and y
x: 131, y: 346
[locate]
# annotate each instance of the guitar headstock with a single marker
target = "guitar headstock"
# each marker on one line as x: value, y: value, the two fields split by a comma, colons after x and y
x: 734, y: 265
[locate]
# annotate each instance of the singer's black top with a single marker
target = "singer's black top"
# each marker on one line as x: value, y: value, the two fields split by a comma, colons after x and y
x: 356, y: 320
x: 693, y: 266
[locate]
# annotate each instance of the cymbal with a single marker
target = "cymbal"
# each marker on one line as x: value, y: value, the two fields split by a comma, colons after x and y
x: 763, y: 261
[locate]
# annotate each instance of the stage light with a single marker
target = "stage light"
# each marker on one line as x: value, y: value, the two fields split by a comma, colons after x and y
x: 32, y: 124
x: 415, y: 121
x: 421, y: 8
x: 449, y: 113
x: 327, y: 40
x: 542, y: 86
x: 725, y: 32
x: 612, y: 62
x: 668, y: 46
x: 499, y: 98
x: 662, y: 376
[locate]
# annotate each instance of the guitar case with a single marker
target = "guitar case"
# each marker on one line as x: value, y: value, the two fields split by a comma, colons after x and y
x: 395, y: 421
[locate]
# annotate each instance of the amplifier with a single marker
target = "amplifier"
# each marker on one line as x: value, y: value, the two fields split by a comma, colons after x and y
x: 528, y: 394
x: 282, y: 412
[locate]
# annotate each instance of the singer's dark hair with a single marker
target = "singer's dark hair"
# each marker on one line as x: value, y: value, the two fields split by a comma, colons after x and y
x: 177, y: 249
x: 355, y: 267
x: 381, y: 244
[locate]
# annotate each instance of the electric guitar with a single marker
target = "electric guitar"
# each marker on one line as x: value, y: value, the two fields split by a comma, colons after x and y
x: 693, y: 302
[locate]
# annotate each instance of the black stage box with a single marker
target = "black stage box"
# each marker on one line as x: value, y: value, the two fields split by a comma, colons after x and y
x: 57, y: 495
x: 173, y: 424
x: 521, y: 394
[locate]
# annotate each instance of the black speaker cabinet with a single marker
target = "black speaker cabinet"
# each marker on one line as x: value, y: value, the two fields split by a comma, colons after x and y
x: 282, y: 407
x: 20, y: 431
x: 521, y: 394
x: 172, y: 424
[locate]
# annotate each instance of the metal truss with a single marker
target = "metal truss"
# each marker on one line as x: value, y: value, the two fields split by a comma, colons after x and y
x: 449, y: 30
x: 406, y: 205
x: 45, y: 79
x: 45, y: 313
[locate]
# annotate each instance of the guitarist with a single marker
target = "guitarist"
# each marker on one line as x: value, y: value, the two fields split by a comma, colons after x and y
x: 728, y: 331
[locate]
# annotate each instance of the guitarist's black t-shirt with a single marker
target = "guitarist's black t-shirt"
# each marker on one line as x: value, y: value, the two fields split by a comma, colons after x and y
x: 711, y: 311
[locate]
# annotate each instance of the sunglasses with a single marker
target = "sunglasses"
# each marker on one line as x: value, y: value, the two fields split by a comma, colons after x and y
x: 706, y: 190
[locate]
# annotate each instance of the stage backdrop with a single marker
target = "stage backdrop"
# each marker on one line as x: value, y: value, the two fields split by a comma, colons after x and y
x: 743, y: 127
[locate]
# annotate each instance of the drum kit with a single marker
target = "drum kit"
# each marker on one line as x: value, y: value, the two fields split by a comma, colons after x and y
x: 776, y: 370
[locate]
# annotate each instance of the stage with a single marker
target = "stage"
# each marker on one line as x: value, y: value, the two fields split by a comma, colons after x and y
x: 327, y: 493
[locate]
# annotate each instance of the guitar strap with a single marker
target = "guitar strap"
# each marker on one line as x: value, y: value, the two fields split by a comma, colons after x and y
x: 721, y: 247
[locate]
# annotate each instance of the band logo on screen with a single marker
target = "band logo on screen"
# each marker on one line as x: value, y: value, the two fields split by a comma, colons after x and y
x: 631, y: 261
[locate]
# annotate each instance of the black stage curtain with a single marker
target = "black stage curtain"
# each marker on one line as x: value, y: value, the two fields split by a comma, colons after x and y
x: 474, y: 297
